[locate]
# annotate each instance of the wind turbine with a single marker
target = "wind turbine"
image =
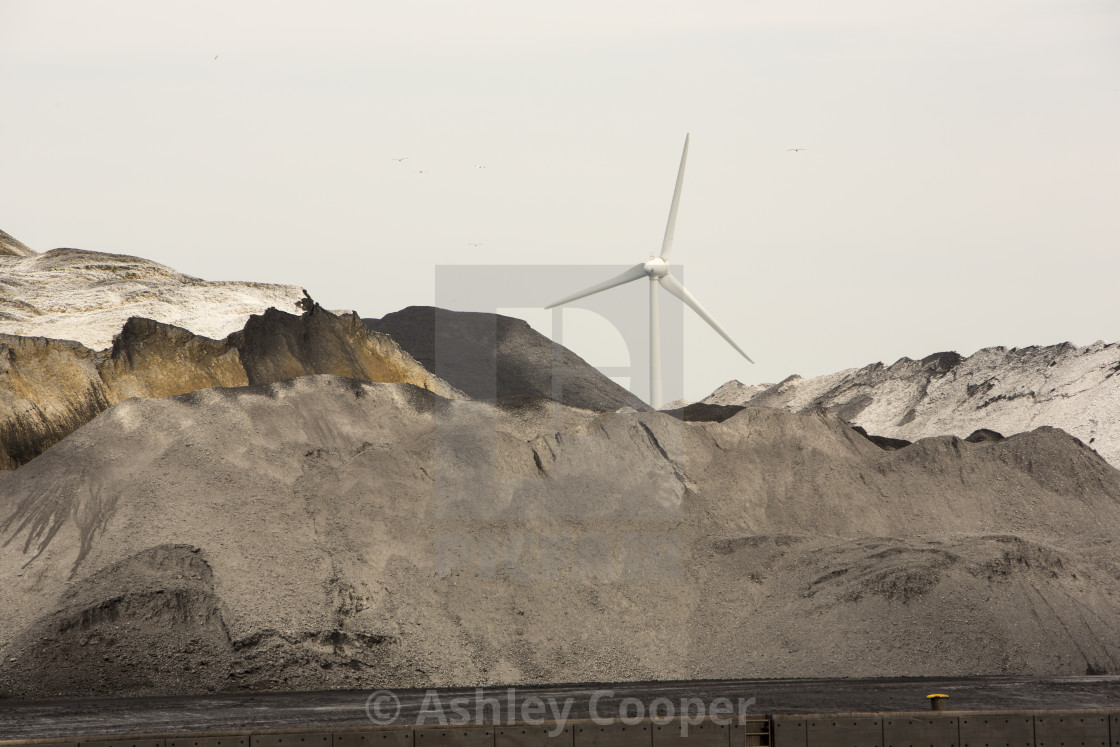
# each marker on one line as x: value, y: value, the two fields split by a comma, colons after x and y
x: 657, y: 270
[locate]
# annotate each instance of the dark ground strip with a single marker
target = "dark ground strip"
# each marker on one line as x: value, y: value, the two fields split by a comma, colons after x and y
x: 230, y: 712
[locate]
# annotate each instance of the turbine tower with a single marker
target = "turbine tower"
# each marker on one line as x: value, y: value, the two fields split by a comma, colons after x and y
x: 657, y: 270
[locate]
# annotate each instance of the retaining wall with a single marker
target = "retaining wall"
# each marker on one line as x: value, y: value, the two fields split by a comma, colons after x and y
x: 1074, y: 728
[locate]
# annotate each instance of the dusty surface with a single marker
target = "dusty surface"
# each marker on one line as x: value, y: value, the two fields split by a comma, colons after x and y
x: 1011, y: 391
x: 490, y: 356
x: 346, y: 709
x: 13, y: 247
x: 321, y: 533
x: 74, y: 294
x: 50, y: 387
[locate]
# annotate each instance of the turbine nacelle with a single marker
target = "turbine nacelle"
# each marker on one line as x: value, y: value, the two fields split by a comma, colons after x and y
x: 656, y: 267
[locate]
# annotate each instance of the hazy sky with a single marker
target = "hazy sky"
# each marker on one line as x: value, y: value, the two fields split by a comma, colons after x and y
x: 960, y: 186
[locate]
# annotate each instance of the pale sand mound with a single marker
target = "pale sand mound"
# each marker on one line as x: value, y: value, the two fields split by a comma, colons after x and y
x: 74, y: 294
x: 13, y: 247
x: 1011, y: 391
x: 322, y: 533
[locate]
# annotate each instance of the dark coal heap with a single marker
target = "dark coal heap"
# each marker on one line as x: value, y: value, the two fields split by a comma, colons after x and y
x: 490, y: 357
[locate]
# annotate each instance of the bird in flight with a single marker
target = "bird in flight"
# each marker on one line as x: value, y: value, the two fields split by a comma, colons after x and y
x: 474, y: 243
x: 403, y: 158
x: 480, y: 167
x: 794, y: 149
x: 215, y: 57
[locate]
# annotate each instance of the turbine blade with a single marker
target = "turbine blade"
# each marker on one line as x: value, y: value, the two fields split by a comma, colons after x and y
x: 671, y: 226
x: 635, y: 272
x: 674, y: 286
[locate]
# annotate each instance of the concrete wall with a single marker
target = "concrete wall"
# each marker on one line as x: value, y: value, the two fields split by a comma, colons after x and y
x: 1083, y: 728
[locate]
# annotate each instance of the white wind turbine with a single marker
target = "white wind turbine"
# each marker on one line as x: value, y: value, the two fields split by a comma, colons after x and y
x: 657, y: 269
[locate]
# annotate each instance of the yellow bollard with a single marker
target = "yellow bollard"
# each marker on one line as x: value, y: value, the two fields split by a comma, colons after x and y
x: 937, y: 701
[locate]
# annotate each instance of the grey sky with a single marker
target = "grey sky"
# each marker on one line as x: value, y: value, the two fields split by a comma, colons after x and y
x: 959, y: 186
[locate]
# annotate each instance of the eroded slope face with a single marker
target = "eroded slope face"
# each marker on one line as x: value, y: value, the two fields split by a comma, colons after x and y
x: 358, y: 534
x: 1065, y: 386
x: 13, y: 247
x: 48, y: 388
x: 74, y: 294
